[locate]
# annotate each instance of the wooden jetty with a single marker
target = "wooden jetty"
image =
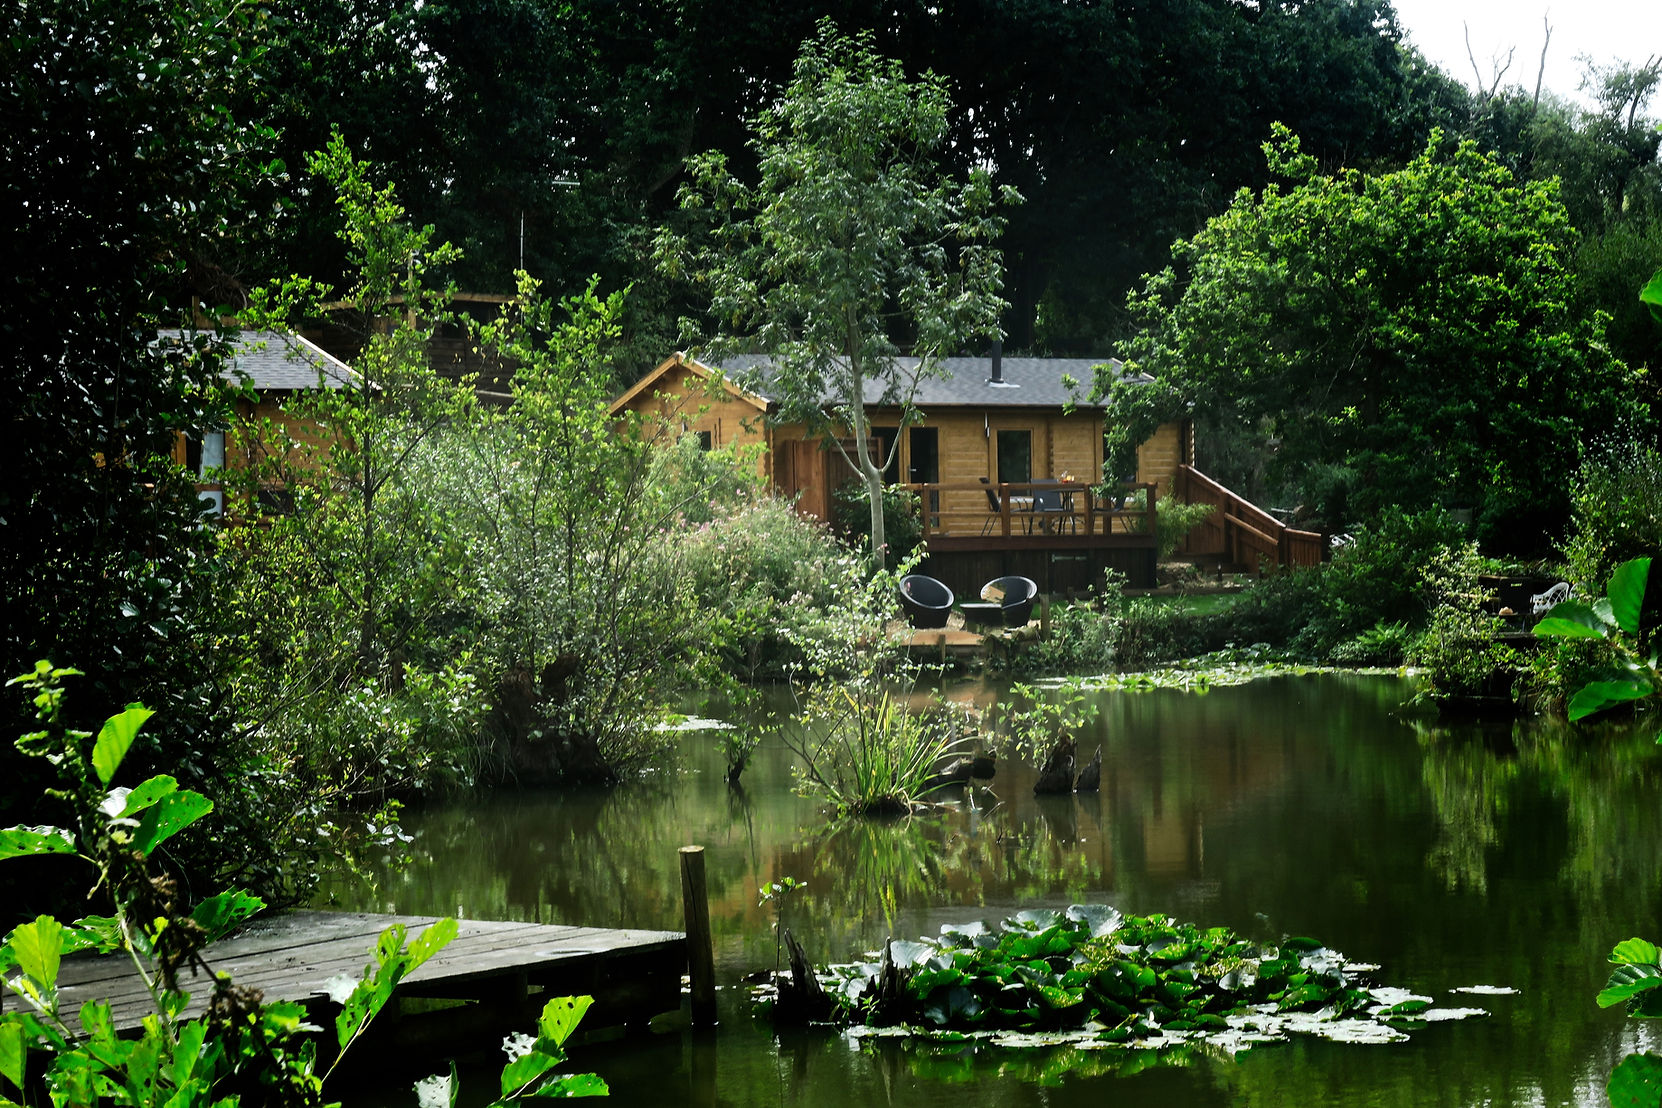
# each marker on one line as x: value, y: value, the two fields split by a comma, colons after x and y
x: 493, y: 977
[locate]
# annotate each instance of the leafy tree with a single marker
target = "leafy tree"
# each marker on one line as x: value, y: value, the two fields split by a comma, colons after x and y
x: 1412, y: 326
x: 852, y: 247
x: 125, y: 164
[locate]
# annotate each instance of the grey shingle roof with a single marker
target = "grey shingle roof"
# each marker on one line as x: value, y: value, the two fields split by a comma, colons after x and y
x: 1028, y: 382
x: 273, y: 362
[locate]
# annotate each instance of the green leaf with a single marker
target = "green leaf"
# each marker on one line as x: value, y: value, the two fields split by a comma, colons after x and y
x: 147, y: 794
x: 38, y: 947
x: 1636, y: 1082
x: 170, y: 815
x: 1627, y: 593
x: 115, y: 738
x: 575, y: 1084
x: 437, y: 936
x: 1573, y: 620
x: 12, y: 1052
x: 1600, y: 695
x: 18, y: 842
x: 1636, y: 952
x: 526, y: 1069
x: 1651, y: 295
x: 220, y: 915
x: 560, y: 1017
x: 1627, y: 981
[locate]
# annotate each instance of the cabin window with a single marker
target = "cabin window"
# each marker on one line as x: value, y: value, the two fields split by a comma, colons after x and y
x: 706, y: 440
x: 1015, y: 456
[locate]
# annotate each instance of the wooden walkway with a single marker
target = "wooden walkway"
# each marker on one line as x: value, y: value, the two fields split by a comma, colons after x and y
x: 502, y: 973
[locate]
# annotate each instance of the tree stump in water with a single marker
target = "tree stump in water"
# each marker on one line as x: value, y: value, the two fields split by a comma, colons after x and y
x: 1090, y: 778
x: 801, y: 997
x: 1056, y: 775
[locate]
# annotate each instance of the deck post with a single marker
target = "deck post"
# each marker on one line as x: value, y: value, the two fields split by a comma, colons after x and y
x: 701, y: 967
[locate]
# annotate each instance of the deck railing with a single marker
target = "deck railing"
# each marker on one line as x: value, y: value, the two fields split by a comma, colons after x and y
x: 1241, y: 531
x: 1033, y: 510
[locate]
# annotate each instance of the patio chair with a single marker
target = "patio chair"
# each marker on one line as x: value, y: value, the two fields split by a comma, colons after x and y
x: 1544, y: 602
x: 994, y: 508
x: 1004, y: 600
x: 927, y: 602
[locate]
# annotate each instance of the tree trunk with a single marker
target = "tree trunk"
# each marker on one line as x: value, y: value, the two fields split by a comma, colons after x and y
x: 873, y: 478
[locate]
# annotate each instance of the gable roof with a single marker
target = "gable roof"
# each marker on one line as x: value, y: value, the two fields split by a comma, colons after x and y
x: 698, y: 369
x: 968, y: 383
x: 274, y: 362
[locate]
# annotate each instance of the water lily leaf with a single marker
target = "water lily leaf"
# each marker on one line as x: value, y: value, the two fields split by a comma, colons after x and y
x: 18, y: 842
x: 1037, y: 919
x: 1627, y: 981
x: 1302, y: 944
x: 1636, y: 952
x: 905, y: 954
x: 1627, y: 593
x: 1100, y: 918
x: 1636, y: 1081
x: 1407, y: 1008
x: 1600, y: 695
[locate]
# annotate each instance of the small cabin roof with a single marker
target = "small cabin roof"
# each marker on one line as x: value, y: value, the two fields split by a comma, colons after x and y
x: 275, y: 362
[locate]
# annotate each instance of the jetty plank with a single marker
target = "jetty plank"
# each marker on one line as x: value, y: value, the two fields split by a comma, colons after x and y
x: 490, y: 962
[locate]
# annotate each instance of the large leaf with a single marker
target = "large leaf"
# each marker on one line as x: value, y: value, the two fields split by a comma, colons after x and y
x: 1627, y: 981
x: 167, y: 817
x: 1600, y: 695
x: 1651, y: 295
x: 38, y: 947
x: 11, y: 1053
x: 17, y: 842
x: 560, y: 1017
x: 115, y: 738
x: 526, y: 1069
x: 1627, y: 593
x: 219, y: 915
x: 1573, y: 620
x: 1636, y: 952
x: 1636, y: 1082
x: 147, y: 794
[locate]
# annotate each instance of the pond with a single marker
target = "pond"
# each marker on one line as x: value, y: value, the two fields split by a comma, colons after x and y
x: 1452, y: 854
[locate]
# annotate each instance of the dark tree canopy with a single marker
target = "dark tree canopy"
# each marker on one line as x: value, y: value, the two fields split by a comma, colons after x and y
x: 1411, y: 330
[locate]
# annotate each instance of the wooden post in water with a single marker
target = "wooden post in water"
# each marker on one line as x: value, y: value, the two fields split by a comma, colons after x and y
x: 701, y: 965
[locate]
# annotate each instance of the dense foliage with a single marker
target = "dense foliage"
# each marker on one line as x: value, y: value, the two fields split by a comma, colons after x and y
x: 1413, y: 327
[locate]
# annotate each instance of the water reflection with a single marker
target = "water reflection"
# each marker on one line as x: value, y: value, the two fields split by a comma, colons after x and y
x: 1451, y: 853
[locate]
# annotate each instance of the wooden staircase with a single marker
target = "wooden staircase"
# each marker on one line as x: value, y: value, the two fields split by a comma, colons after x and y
x: 1239, y: 533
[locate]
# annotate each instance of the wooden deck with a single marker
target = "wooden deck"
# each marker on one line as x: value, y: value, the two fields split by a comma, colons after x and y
x: 1064, y: 548
x: 502, y: 972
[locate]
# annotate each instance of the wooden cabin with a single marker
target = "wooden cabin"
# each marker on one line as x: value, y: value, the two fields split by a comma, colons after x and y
x: 272, y: 369
x: 1001, y: 439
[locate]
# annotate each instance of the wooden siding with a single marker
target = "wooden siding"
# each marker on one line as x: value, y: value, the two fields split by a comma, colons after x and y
x: 1167, y: 450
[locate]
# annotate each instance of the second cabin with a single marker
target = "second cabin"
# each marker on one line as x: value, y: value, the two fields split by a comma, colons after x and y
x: 1007, y: 461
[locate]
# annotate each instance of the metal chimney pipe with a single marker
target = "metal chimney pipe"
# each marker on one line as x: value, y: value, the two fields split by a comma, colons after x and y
x: 997, y: 355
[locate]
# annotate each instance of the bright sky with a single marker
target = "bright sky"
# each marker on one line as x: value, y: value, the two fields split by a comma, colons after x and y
x: 1629, y: 30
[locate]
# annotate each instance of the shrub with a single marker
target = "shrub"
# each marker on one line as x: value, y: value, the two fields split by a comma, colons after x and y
x: 1378, y: 578
x: 902, y: 517
x: 764, y: 578
x: 1615, y: 512
x: 1173, y: 521
x: 1458, y: 651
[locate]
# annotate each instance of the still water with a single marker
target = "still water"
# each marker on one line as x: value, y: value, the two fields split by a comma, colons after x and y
x: 1450, y: 853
